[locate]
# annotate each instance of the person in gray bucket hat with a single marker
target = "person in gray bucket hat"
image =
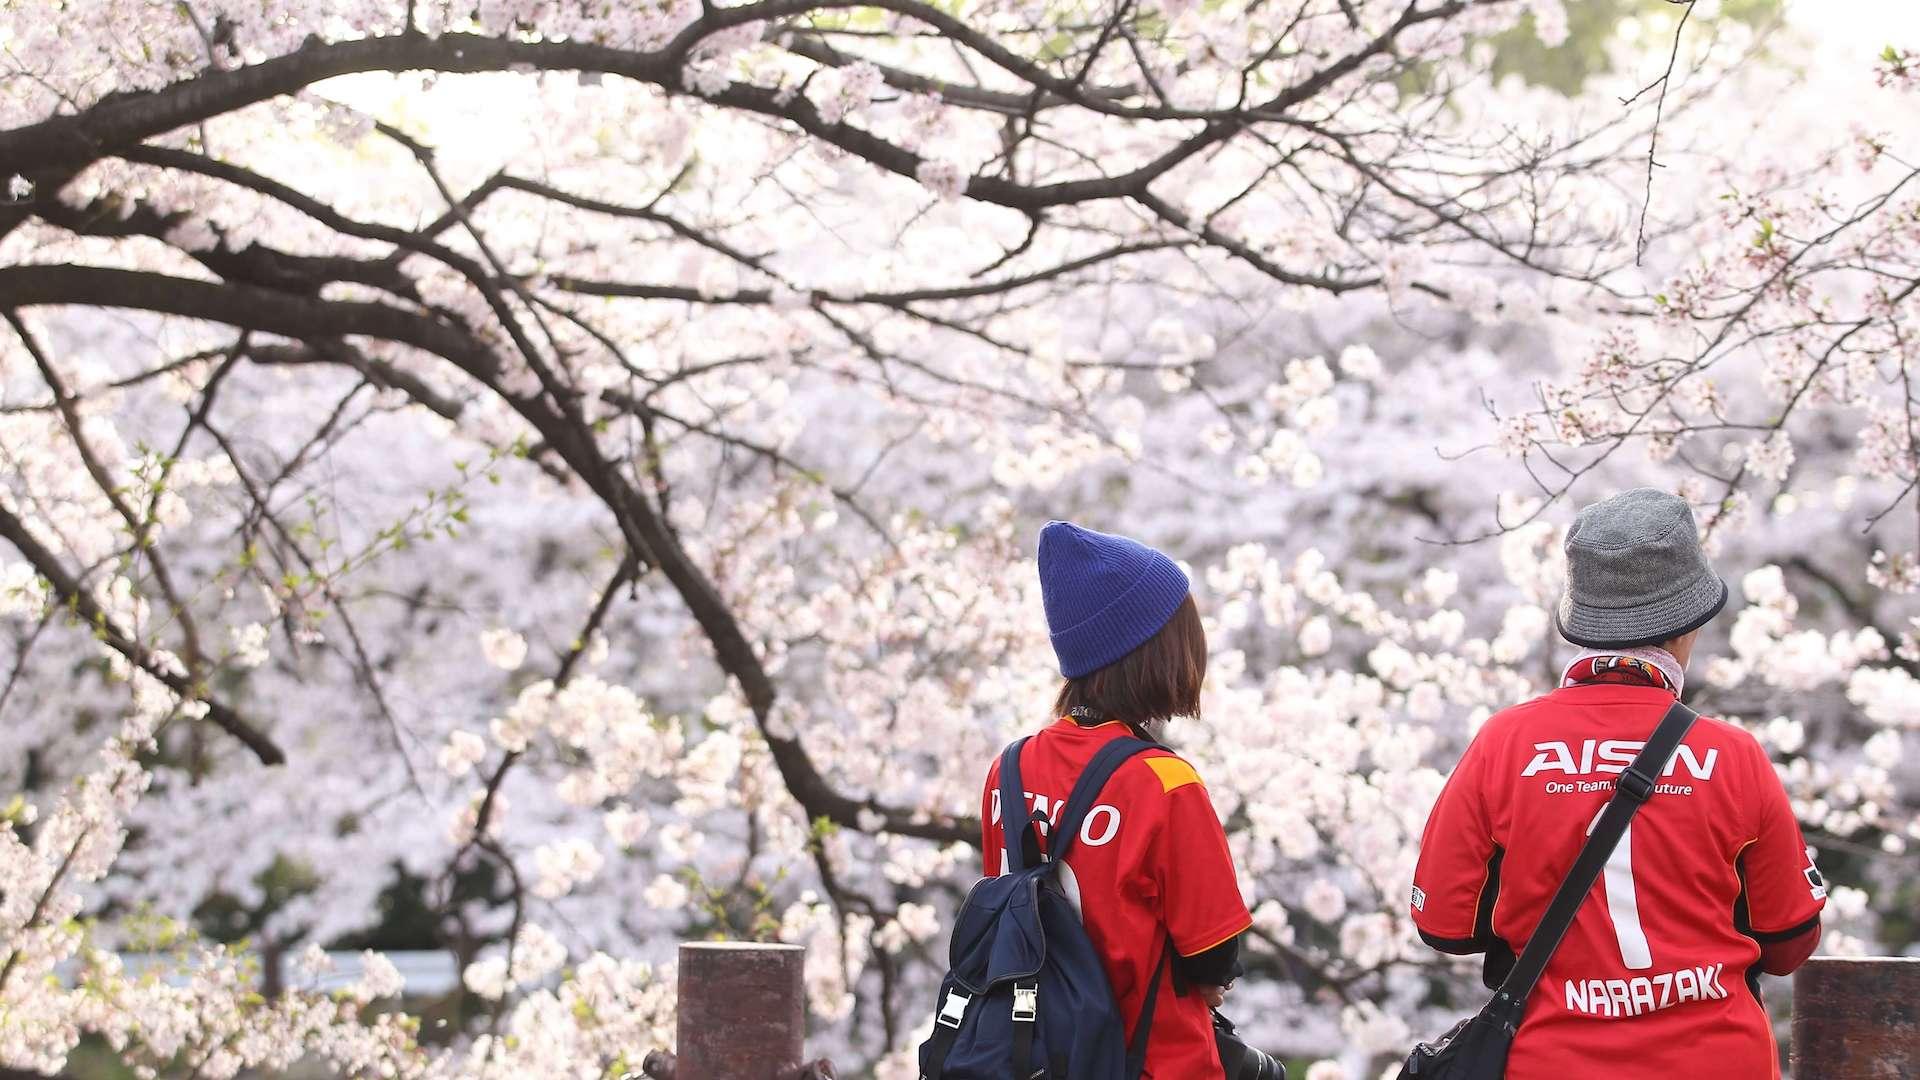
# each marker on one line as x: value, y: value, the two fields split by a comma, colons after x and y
x: 1636, y: 575
x: 1711, y: 881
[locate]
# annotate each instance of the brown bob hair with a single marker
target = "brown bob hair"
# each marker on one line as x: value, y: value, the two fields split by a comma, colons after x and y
x: 1157, y: 681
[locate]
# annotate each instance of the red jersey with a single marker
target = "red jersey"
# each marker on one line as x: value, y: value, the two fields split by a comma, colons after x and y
x: 1655, y: 967
x: 1151, y: 860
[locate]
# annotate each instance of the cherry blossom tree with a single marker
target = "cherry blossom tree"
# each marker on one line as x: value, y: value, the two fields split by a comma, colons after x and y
x: 574, y: 464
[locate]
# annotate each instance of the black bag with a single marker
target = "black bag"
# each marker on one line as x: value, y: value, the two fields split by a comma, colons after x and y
x: 1476, y: 1048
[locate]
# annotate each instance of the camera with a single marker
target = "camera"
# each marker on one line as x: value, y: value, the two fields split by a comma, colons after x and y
x: 1241, y: 1061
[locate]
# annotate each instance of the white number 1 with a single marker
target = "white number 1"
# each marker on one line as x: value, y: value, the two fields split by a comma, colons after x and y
x: 1623, y: 901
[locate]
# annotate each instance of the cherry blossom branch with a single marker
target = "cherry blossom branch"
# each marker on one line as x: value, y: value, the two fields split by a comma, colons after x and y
x: 72, y: 141
x: 40, y: 902
x: 72, y: 593
x: 305, y: 317
x: 139, y: 525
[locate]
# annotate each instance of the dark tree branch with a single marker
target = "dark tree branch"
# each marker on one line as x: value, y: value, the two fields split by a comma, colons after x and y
x: 72, y: 141
x: 572, y: 439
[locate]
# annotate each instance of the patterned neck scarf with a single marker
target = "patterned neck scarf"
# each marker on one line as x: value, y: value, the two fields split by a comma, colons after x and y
x: 1644, y: 666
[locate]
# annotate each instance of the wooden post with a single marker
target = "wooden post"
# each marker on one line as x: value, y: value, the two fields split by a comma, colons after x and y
x: 743, y: 1013
x: 1856, y: 1019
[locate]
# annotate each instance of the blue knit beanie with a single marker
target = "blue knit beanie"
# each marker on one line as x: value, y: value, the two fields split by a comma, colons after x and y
x: 1105, y: 595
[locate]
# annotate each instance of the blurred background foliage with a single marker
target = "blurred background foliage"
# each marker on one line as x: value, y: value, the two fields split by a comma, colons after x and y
x: 1594, y: 27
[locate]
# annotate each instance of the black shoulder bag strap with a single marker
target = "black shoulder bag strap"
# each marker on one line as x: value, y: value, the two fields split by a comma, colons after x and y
x: 1630, y: 791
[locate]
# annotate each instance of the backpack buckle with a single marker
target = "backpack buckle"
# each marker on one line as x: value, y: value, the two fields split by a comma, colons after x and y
x: 1026, y: 1004
x: 953, y: 1009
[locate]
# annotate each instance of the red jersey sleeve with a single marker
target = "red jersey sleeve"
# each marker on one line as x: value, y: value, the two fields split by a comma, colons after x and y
x: 1190, y: 863
x: 1455, y: 849
x: 1784, y: 889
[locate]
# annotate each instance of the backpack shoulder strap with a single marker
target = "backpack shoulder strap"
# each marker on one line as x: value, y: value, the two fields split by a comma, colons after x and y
x: 1632, y: 789
x: 1013, y: 805
x: 1087, y: 788
x: 1143, y: 1024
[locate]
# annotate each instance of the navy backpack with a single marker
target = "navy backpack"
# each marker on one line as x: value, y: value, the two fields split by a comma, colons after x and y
x: 1026, y: 997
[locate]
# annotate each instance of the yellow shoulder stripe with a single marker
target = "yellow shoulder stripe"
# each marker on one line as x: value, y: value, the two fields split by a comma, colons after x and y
x: 1173, y: 773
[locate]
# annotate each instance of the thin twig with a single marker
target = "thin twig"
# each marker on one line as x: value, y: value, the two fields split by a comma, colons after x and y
x: 1653, y: 137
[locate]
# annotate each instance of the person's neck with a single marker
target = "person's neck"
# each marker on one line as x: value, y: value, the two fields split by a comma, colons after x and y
x: 1154, y: 732
x: 1669, y: 665
x: 1087, y: 716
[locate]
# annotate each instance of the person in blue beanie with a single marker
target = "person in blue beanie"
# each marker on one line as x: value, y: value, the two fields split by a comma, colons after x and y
x: 1150, y: 867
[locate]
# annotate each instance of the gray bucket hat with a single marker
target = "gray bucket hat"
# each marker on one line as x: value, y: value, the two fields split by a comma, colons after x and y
x: 1636, y: 574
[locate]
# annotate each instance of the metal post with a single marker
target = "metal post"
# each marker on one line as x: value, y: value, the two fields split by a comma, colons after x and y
x: 1856, y: 1019
x: 742, y: 1016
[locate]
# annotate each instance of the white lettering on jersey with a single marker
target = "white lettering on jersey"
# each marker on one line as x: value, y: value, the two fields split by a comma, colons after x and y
x: 1621, y: 998
x: 1098, y: 813
x: 1640, y: 994
x: 1616, y: 755
x: 1688, y: 984
x: 1562, y: 760
x: 1612, y: 756
x: 1101, y: 825
x: 1617, y: 998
